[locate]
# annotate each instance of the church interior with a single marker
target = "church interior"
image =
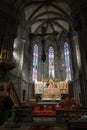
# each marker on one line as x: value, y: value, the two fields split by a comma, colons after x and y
x: 43, y: 64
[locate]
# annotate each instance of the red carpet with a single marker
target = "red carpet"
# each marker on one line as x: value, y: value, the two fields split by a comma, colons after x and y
x: 41, y: 128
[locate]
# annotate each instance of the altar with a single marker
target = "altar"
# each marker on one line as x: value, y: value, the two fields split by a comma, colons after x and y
x: 47, y: 103
x: 51, y: 89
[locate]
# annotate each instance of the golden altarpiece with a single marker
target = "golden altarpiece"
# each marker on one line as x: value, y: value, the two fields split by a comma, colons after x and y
x: 51, y: 89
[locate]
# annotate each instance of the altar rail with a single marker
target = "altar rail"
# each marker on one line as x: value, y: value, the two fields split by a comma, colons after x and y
x: 80, y: 124
x: 62, y: 116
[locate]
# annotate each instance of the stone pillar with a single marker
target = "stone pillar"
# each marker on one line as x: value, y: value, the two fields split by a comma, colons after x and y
x: 81, y: 28
x: 8, y: 31
x: 77, y: 59
x: 8, y: 24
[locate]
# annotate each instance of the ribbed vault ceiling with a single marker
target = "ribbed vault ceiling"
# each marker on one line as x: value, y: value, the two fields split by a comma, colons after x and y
x: 53, y: 15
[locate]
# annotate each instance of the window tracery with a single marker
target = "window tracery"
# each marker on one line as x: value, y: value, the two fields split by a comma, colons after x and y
x: 51, y: 62
x: 35, y: 62
x: 67, y: 61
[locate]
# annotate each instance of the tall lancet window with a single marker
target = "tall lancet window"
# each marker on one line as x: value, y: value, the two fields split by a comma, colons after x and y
x: 51, y: 61
x: 67, y: 61
x: 35, y: 62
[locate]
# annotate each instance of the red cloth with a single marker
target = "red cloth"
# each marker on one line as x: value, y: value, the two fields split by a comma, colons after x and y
x: 36, y: 110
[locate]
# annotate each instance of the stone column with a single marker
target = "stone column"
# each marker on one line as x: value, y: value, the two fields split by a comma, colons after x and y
x: 8, y: 31
x: 81, y: 28
x: 77, y: 59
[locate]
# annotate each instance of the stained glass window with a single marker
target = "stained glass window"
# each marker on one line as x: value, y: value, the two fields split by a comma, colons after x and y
x: 35, y: 62
x: 51, y: 61
x: 67, y: 61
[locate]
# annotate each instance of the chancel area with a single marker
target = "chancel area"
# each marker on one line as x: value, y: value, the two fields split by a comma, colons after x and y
x: 51, y: 89
x: 43, y: 63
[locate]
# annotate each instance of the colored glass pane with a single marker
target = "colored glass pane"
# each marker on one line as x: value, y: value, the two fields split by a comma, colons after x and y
x: 67, y: 61
x: 35, y: 62
x: 51, y: 61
